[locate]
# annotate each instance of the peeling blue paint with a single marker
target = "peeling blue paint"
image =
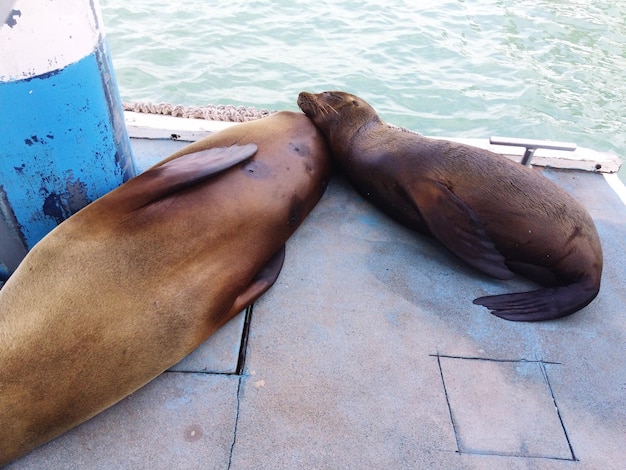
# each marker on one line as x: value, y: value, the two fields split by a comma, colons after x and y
x: 64, y: 141
x: 40, y: 138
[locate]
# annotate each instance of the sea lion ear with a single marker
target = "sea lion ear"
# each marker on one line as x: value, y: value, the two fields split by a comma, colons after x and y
x: 356, y: 103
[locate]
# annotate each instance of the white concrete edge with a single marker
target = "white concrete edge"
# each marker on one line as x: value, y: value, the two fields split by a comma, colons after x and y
x: 154, y: 126
x: 580, y: 159
x: 616, y: 185
x: 157, y: 126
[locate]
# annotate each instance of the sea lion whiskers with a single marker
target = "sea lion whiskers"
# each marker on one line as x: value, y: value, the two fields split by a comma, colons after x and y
x: 331, y: 107
x: 324, y: 108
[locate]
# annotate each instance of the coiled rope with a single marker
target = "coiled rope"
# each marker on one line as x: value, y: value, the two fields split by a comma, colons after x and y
x: 225, y: 113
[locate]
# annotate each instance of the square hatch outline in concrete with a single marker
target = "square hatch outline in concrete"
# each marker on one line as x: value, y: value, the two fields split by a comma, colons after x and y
x: 465, y: 420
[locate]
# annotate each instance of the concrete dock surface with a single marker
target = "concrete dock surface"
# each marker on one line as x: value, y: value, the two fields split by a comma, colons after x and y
x: 368, y: 353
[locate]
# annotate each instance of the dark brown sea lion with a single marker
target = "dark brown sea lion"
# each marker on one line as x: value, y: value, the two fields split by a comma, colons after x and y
x: 131, y: 284
x: 495, y: 214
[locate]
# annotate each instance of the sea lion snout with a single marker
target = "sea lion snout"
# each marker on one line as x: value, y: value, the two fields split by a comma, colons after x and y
x: 307, y: 103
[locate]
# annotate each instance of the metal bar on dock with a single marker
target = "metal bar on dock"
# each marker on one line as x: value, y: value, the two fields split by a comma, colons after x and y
x: 531, y: 145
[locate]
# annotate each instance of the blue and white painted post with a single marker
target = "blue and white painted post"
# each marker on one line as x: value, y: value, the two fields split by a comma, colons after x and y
x: 63, y: 141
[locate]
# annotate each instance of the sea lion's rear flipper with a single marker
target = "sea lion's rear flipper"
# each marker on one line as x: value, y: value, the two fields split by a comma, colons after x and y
x: 260, y: 283
x: 180, y: 173
x: 457, y: 226
x: 542, y: 304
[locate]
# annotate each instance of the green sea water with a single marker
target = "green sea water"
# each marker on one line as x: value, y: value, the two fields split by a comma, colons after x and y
x: 544, y: 69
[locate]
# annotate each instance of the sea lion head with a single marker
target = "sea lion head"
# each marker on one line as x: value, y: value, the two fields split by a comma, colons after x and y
x: 336, y: 113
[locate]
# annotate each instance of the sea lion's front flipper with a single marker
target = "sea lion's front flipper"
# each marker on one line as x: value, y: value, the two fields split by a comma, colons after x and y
x: 260, y: 283
x: 457, y: 226
x: 182, y: 172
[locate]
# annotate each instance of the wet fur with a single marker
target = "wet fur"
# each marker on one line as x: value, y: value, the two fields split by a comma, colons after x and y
x: 499, y: 216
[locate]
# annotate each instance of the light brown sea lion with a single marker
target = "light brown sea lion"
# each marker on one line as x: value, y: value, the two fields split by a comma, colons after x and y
x: 134, y: 282
x: 497, y: 215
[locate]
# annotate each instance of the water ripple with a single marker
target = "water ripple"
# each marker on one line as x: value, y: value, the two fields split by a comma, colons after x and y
x: 531, y: 68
